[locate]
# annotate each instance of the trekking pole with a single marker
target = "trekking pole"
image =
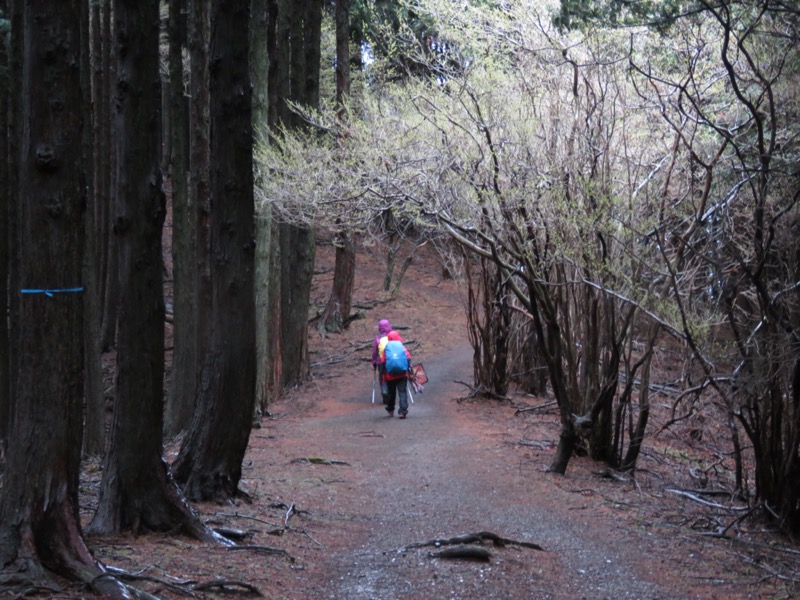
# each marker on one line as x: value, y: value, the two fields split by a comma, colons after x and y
x: 408, y: 389
x: 374, y: 377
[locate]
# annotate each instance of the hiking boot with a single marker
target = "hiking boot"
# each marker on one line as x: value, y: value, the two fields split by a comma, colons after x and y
x: 389, y: 413
x: 402, y: 415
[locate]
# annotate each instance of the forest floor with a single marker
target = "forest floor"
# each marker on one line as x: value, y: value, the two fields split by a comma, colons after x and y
x: 343, y: 498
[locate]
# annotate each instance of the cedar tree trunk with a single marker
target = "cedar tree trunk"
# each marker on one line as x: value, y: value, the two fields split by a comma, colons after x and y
x: 39, y: 523
x: 210, y: 461
x: 137, y: 493
x: 180, y: 400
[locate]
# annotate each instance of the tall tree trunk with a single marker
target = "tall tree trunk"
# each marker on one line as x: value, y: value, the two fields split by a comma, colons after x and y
x: 137, y: 493
x: 342, y: 18
x: 106, y: 167
x: 337, y: 310
x: 5, y: 195
x: 199, y: 170
x: 261, y: 24
x: 39, y: 525
x: 298, y: 243
x: 278, y: 114
x: 181, y: 398
x: 94, y: 388
x: 210, y: 461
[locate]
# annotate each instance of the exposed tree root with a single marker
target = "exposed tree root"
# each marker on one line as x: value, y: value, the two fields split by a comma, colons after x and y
x: 474, y: 538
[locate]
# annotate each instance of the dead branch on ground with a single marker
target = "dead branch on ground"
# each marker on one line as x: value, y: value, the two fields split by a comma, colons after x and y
x: 227, y: 586
x: 463, y: 551
x: 474, y: 538
x: 538, y: 407
x: 317, y: 460
x: 264, y: 550
x: 696, y: 498
x: 479, y: 391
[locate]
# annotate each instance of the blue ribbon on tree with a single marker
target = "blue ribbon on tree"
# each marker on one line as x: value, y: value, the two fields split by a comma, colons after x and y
x: 52, y: 292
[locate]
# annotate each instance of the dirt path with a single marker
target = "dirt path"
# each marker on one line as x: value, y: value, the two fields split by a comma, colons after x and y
x: 449, y: 469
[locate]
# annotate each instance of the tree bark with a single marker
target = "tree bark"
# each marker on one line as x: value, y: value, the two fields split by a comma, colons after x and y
x: 137, y: 494
x: 261, y: 29
x: 337, y: 311
x: 181, y: 397
x: 106, y: 168
x: 94, y: 389
x: 5, y: 195
x: 199, y: 170
x: 209, y: 465
x: 298, y: 243
x: 39, y: 525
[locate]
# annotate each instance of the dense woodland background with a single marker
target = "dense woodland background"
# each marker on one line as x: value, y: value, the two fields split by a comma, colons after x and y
x: 607, y: 178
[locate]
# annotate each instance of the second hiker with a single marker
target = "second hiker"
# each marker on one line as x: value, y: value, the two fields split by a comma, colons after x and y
x: 384, y: 327
x: 396, y: 361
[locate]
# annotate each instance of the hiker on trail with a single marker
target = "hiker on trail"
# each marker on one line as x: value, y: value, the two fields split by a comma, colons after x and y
x: 396, y: 361
x: 384, y: 327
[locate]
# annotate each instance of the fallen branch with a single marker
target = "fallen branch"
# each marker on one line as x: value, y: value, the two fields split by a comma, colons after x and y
x: 463, y: 551
x: 225, y: 585
x: 537, y: 407
x: 265, y: 550
x: 473, y: 538
x: 696, y: 498
x: 235, y: 535
x: 289, y: 512
x: 316, y: 460
x: 241, y: 516
x: 479, y: 391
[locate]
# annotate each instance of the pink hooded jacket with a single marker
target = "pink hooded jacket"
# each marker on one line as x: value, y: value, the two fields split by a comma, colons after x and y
x: 384, y: 327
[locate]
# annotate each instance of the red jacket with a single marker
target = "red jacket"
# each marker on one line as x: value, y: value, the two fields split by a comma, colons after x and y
x: 393, y: 336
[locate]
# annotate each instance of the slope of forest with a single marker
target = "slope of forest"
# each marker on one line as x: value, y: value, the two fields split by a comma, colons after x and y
x: 339, y: 493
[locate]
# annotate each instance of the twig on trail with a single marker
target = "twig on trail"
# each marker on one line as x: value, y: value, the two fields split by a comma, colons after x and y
x: 479, y: 391
x: 224, y: 585
x: 265, y: 550
x: 722, y: 531
x: 696, y: 498
x: 369, y: 434
x: 333, y: 360
x: 317, y: 460
x: 772, y: 571
x: 538, y: 445
x: 235, y: 535
x: 472, y: 538
x: 609, y: 474
x: 241, y: 516
x: 311, y: 537
x: 463, y: 551
x: 291, y: 510
x: 538, y: 407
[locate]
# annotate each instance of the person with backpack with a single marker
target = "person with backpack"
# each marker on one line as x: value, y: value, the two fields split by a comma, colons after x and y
x: 396, y: 361
x: 384, y: 327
